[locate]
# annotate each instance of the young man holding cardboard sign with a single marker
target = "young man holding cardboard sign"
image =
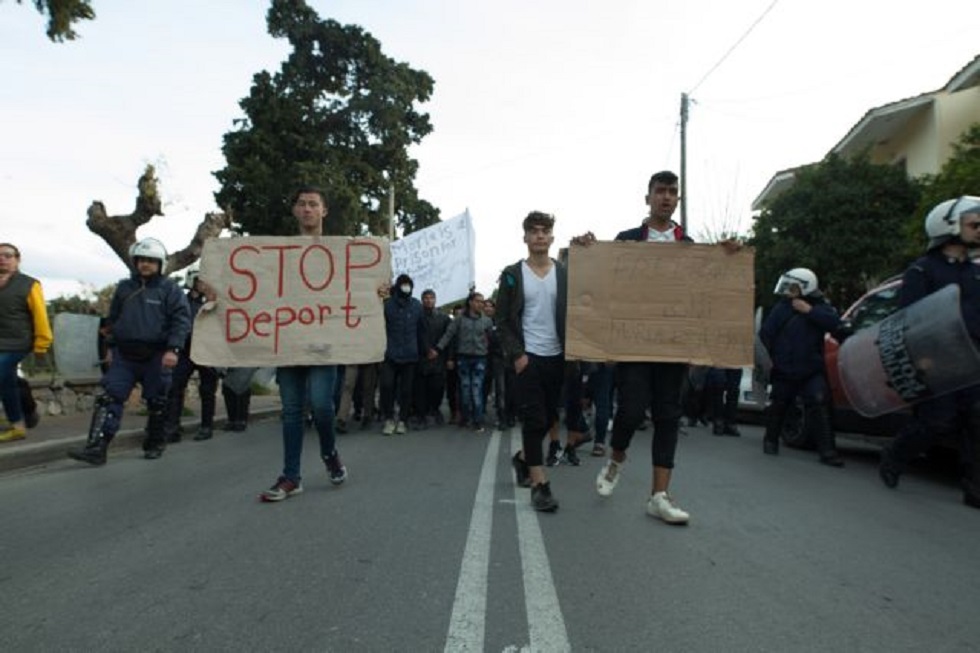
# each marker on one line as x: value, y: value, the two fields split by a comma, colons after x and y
x: 649, y: 384
x: 297, y: 383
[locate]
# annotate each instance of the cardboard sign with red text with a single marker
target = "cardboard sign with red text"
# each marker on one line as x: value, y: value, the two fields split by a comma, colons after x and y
x: 297, y: 300
x: 682, y: 303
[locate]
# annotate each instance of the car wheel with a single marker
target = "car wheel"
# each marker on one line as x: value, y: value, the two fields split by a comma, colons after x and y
x: 795, y: 434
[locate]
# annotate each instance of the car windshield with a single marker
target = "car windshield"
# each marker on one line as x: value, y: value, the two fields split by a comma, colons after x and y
x: 875, y: 308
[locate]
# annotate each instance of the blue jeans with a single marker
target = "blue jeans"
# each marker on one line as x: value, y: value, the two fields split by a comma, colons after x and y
x: 8, y: 384
x: 601, y: 382
x: 471, y: 372
x: 293, y: 381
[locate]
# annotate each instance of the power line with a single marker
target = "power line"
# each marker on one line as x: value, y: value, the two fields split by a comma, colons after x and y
x: 736, y: 44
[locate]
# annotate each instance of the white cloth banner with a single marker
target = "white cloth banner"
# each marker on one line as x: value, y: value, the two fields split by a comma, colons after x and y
x: 440, y: 257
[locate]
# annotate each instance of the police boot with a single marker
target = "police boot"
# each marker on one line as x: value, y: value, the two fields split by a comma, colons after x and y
x: 818, y: 418
x: 94, y: 451
x: 155, y: 441
x: 774, y: 427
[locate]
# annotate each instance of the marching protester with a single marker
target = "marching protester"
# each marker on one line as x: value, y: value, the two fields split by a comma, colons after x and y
x: 147, y: 328
x: 452, y: 375
x: 405, y: 329
x: 431, y: 377
x: 648, y: 384
x: 953, y: 228
x: 207, y: 377
x: 531, y: 303
x: 468, y: 335
x: 299, y: 384
x: 24, y: 329
x: 793, y: 334
x: 500, y: 375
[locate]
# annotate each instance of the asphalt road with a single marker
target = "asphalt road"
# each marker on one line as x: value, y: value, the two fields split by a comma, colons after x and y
x: 429, y: 548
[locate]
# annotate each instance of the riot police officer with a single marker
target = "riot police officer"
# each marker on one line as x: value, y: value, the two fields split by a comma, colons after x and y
x: 793, y: 333
x: 953, y: 228
x: 149, y: 319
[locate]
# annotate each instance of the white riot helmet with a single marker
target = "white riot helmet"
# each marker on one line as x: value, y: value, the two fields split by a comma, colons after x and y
x: 943, y: 221
x: 149, y: 248
x: 193, y: 272
x: 802, y: 277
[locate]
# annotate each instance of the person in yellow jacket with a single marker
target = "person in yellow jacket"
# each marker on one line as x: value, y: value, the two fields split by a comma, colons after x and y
x: 24, y: 328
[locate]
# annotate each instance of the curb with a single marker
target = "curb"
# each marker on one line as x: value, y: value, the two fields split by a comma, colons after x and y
x: 33, y: 454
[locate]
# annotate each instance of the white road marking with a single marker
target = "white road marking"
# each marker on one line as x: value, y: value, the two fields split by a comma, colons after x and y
x: 544, y: 617
x: 467, y: 625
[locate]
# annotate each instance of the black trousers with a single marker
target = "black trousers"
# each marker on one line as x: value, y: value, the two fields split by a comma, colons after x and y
x: 656, y: 386
x: 538, y: 391
x: 429, y: 389
x: 402, y: 376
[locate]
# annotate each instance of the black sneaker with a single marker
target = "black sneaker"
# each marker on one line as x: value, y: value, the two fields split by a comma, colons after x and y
x: 204, y: 433
x: 569, y: 457
x: 153, y: 453
x: 541, y: 498
x: 335, y: 468
x: 521, y: 471
x: 32, y: 419
x: 554, y: 449
x: 732, y: 430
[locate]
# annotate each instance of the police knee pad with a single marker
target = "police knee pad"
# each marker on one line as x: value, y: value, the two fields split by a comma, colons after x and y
x: 103, y: 400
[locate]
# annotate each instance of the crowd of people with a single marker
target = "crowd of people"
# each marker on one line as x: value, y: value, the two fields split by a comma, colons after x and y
x: 510, y: 351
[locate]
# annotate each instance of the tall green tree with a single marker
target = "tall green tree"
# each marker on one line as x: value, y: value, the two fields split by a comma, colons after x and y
x: 842, y: 218
x: 339, y: 114
x: 960, y: 175
x: 63, y: 15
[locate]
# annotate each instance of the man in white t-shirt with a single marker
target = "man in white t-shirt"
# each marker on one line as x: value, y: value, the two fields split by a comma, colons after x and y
x: 530, y: 320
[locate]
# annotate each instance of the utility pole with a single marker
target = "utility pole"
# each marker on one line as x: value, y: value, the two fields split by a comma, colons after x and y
x: 683, y: 189
x: 391, y: 212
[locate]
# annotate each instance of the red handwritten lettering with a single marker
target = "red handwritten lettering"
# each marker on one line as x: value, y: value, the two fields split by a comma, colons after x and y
x: 372, y: 247
x: 302, y: 267
x: 233, y: 264
x: 348, y: 309
x: 280, y: 273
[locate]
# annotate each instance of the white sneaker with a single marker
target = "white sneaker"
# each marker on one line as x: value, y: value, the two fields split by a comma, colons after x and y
x: 607, y: 479
x: 401, y: 429
x: 389, y: 427
x: 662, y: 506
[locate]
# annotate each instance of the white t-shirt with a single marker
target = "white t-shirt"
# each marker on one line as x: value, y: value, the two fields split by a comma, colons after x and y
x: 540, y: 309
x: 655, y: 236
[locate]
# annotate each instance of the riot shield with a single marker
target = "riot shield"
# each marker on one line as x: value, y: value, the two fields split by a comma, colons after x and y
x: 920, y: 352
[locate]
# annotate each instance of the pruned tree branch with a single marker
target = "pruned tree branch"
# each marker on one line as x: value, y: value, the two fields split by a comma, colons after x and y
x: 119, y: 231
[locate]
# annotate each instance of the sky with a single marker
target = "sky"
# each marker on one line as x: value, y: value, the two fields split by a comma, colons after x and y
x: 561, y: 106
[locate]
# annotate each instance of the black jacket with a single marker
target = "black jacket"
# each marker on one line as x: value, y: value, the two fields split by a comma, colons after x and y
x: 510, y: 309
